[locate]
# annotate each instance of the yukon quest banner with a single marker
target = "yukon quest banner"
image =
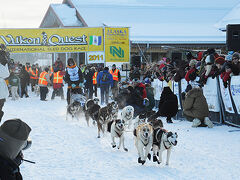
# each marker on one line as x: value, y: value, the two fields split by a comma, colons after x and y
x: 52, y: 40
x: 116, y: 44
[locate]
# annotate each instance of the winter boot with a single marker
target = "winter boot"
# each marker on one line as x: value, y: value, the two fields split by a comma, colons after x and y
x: 169, y: 120
x: 1, y: 115
x: 196, y: 122
x: 208, y: 122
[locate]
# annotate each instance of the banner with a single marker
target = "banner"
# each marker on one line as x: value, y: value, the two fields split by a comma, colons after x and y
x: 210, y: 93
x: 235, y: 90
x: 226, y: 97
x: 52, y: 40
x: 117, y: 44
x: 95, y: 57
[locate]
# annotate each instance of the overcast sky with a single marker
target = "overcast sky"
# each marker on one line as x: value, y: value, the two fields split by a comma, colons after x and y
x: 23, y: 13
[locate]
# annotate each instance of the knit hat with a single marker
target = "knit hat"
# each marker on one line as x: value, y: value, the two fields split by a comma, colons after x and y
x: 220, y: 60
x: 13, y: 136
x: 236, y: 55
x: 192, y: 62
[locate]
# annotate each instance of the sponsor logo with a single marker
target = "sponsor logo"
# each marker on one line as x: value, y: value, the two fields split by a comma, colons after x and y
x: 117, y: 51
x: 119, y: 32
x: 53, y: 40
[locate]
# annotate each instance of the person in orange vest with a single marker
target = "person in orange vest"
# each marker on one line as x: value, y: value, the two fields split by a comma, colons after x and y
x: 116, y: 79
x: 57, y: 79
x: 33, y: 72
x: 43, y: 82
x: 95, y: 81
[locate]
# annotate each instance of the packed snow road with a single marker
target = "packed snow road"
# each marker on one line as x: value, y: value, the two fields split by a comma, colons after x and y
x: 71, y: 150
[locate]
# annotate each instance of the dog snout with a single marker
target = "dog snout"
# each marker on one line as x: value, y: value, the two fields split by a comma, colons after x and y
x: 175, y: 143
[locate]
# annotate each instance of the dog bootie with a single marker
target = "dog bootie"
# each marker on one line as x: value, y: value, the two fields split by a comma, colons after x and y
x: 196, y: 122
x: 208, y: 122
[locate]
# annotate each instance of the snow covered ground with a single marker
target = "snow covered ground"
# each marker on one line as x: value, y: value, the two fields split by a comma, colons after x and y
x: 70, y: 150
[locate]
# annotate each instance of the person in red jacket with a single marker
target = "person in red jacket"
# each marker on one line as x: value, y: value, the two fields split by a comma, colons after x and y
x: 192, y: 71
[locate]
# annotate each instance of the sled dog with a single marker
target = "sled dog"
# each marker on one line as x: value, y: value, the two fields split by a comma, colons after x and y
x: 163, y: 140
x: 116, y: 128
x: 143, y: 141
x: 127, y: 115
x: 103, y: 118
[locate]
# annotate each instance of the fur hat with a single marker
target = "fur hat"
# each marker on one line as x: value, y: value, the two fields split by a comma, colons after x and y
x: 220, y: 60
x: 192, y: 62
x: 13, y: 135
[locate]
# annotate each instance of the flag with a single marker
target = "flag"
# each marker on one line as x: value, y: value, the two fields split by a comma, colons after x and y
x: 95, y: 40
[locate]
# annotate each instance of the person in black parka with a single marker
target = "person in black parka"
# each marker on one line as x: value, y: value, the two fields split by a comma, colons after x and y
x: 168, y: 105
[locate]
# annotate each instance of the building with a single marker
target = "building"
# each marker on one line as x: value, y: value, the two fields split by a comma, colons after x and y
x: 156, y: 28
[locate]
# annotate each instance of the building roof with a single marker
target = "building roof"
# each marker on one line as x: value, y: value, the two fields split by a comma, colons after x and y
x: 151, y: 20
x: 233, y: 17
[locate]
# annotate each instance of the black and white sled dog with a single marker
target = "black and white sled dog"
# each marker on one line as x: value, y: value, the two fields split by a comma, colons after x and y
x: 163, y: 140
x: 116, y: 128
x: 143, y: 141
x: 73, y: 109
x: 127, y: 115
x: 103, y: 118
x: 91, y: 110
x: 140, y: 119
x: 113, y: 110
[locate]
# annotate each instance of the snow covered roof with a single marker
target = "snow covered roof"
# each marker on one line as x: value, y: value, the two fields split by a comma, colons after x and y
x: 67, y: 15
x: 151, y: 20
x: 233, y: 17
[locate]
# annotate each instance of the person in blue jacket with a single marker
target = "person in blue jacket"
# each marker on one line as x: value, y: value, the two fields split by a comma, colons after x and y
x: 104, y: 81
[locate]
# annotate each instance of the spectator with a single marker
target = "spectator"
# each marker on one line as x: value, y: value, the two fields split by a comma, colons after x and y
x: 44, y: 80
x: 89, y: 72
x: 192, y: 71
x: 116, y: 79
x: 168, y: 105
x: 14, y: 138
x: 24, y: 81
x: 4, y: 73
x: 157, y: 90
x: 57, y: 80
x: 14, y: 83
x: 105, y: 81
x: 195, y: 108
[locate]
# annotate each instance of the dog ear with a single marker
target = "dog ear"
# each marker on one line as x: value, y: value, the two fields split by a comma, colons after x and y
x: 169, y: 134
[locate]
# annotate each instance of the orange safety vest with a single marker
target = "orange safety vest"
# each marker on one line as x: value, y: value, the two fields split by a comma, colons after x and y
x: 34, y: 75
x: 27, y: 69
x: 114, y: 74
x: 94, y: 78
x: 42, y: 79
x: 57, y: 78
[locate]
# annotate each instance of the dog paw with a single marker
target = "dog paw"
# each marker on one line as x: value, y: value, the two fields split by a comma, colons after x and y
x: 143, y: 162
x: 125, y: 149
x: 139, y: 160
x: 149, y: 156
x: 98, y: 137
x: 167, y: 164
x: 113, y: 146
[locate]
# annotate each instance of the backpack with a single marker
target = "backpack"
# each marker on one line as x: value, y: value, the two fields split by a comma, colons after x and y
x: 105, y: 77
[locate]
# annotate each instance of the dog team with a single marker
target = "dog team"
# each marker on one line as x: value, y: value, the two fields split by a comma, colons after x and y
x: 147, y: 128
